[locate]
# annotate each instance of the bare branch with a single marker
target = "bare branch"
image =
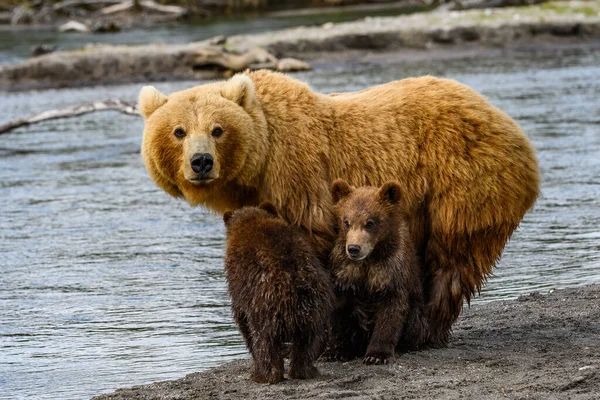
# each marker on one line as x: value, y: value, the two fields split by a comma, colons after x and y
x: 124, y: 6
x: 154, y: 6
x: 73, y: 111
x: 75, y: 3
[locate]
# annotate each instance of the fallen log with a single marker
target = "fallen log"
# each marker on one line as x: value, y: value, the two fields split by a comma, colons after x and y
x: 117, y: 8
x: 75, y: 3
x: 73, y: 111
x: 154, y: 6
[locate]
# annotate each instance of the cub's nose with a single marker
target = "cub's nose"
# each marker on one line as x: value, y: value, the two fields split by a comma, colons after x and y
x: 353, y: 250
x: 202, y: 163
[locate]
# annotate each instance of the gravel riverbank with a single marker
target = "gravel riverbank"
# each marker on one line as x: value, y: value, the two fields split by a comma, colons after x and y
x: 535, y: 347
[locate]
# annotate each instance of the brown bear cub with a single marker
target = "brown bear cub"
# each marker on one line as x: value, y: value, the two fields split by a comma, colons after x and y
x: 377, y: 276
x: 279, y: 291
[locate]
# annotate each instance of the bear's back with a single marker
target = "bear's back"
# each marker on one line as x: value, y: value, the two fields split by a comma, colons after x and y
x: 272, y: 268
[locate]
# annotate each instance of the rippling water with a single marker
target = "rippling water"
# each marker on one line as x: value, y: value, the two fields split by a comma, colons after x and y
x: 108, y: 282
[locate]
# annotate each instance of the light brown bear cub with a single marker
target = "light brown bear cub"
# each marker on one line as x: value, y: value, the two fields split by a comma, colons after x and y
x: 377, y: 276
x: 279, y: 292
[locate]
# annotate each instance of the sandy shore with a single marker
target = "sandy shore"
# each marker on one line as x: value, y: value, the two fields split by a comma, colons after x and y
x: 422, y: 35
x: 536, y: 347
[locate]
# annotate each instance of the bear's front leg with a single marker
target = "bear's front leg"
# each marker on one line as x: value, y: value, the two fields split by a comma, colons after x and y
x: 389, y: 321
x: 347, y: 339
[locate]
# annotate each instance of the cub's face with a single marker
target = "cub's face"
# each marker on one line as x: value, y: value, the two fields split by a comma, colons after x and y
x: 366, y: 216
x: 197, y: 138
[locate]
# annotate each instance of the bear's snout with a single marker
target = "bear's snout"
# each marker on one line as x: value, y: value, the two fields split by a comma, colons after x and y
x: 353, y: 251
x: 202, y: 163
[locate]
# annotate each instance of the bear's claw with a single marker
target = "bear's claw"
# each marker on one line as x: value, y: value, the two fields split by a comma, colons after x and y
x: 377, y: 360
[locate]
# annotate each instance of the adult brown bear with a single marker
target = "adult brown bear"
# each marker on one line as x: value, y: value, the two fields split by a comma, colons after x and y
x: 468, y: 172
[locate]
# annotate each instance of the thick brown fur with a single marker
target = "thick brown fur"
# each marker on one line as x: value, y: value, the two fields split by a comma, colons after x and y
x: 380, y: 292
x: 467, y: 171
x: 280, y: 292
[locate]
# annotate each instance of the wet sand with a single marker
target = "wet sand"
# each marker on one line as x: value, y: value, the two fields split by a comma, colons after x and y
x: 536, y: 347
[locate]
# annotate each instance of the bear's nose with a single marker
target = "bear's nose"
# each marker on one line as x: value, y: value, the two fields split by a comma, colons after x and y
x: 353, y: 250
x: 202, y: 163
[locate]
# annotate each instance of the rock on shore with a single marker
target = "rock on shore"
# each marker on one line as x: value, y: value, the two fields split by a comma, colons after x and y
x: 575, y: 21
x: 535, y: 347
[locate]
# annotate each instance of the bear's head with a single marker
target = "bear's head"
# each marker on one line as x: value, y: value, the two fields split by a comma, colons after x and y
x: 368, y: 218
x: 202, y: 138
x: 247, y: 216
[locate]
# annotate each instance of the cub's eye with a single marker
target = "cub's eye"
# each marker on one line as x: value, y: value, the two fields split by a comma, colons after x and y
x: 346, y: 223
x: 370, y: 225
x: 179, y: 132
x: 217, y: 132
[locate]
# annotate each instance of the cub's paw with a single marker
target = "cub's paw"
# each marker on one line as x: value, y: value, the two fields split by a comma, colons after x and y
x: 303, y: 373
x: 332, y: 355
x: 378, y: 358
x: 270, y: 377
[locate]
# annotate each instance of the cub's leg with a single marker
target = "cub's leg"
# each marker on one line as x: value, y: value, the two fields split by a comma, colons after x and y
x: 416, y: 331
x: 389, y: 321
x: 306, y: 347
x: 266, y: 352
x: 346, y: 338
x: 242, y: 321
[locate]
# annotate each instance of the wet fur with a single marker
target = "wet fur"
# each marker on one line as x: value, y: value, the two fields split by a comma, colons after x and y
x: 279, y: 292
x: 468, y: 172
x: 380, y: 298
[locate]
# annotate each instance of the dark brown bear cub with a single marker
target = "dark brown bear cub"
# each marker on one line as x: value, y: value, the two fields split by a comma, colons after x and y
x: 377, y: 276
x: 279, y: 292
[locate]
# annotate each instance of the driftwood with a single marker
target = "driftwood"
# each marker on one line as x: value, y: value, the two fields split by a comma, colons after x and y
x: 216, y: 56
x: 106, y: 105
x: 117, y: 8
x: 147, y: 4
x: 75, y: 3
x: 153, y: 6
x: 20, y: 13
x: 38, y: 10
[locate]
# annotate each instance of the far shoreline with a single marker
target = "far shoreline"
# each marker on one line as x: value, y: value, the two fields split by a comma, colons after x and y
x: 405, y: 38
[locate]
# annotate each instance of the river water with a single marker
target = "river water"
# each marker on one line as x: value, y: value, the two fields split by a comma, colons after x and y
x: 108, y: 282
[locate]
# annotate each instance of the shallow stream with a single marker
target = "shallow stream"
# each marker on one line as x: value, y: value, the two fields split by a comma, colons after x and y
x: 107, y: 282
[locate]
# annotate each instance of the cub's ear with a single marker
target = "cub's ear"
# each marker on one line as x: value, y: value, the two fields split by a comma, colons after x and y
x: 240, y: 89
x: 149, y: 100
x: 339, y: 190
x: 390, y: 192
x: 227, y: 216
x: 270, y: 208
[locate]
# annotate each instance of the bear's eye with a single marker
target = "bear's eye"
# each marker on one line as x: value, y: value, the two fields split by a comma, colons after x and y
x: 217, y: 132
x: 370, y: 224
x: 346, y: 223
x: 179, y: 132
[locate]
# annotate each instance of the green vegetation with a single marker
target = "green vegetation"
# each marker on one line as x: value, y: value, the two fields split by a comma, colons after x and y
x: 562, y: 8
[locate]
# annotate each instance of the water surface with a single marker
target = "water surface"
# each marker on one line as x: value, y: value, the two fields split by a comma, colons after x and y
x: 109, y: 282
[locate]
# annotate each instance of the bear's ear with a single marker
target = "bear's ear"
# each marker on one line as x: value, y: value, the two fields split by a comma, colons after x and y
x: 270, y: 208
x: 240, y: 90
x: 390, y: 192
x: 339, y: 190
x: 227, y: 216
x: 149, y: 100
